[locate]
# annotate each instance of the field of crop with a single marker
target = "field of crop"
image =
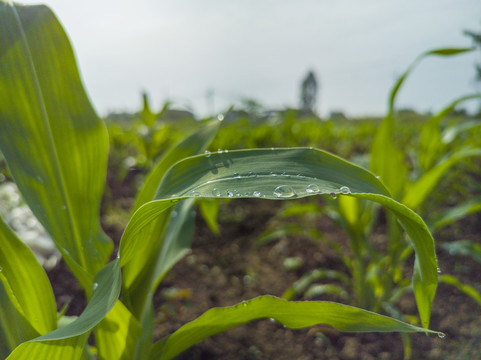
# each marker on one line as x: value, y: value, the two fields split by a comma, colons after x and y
x: 156, y: 235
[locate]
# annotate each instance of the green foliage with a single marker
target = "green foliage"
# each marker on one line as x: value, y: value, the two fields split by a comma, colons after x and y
x: 56, y: 149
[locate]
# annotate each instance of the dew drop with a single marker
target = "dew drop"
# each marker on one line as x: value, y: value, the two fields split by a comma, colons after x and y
x: 251, y: 174
x: 345, y: 190
x: 194, y: 193
x: 220, y: 117
x: 441, y: 335
x: 272, y: 320
x: 226, y: 151
x: 230, y: 193
x: 273, y: 174
x: 312, y: 189
x: 219, y: 151
x: 216, y: 192
x: 438, y: 270
x: 333, y: 196
x: 244, y: 304
x: 284, y: 191
x: 95, y: 286
x: 237, y: 176
x: 207, y: 154
x: 257, y: 194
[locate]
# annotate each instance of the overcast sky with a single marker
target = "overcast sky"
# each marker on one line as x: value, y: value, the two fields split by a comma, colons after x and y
x: 179, y: 50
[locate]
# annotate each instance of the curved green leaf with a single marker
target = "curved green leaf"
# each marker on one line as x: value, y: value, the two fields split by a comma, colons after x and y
x: 417, y: 192
x: 402, y: 78
x: 281, y: 174
x: 27, y: 303
x: 188, y: 146
x: 70, y: 339
x: 467, y: 289
x: 431, y: 142
x: 116, y: 334
x: 52, y: 140
x: 387, y: 161
x: 452, y: 214
x: 294, y: 315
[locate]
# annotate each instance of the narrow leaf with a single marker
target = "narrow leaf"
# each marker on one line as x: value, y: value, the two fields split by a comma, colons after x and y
x: 68, y: 342
x: 417, y: 192
x: 26, y: 290
x: 188, y: 146
x: 294, y: 315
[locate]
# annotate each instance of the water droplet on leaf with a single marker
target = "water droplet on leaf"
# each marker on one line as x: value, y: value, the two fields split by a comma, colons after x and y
x: 312, y: 189
x: 284, y: 191
x: 230, y: 193
x: 333, y: 196
x: 441, y: 335
x: 345, y: 190
x: 257, y: 193
x: 95, y: 286
x: 207, y: 154
x: 215, y: 192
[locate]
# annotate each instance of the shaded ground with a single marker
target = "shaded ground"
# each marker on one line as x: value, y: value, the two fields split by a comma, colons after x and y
x: 224, y: 270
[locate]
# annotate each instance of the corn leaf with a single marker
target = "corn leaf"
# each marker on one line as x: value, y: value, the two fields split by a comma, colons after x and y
x: 387, y: 161
x: 210, y: 210
x: 53, y: 142
x: 27, y: 303
x: 140, y: 276
x: 281, y: 174
x: 452, y: 214
x: 467, y: 289
x: 417, y: 192
x: 431, y: 142
x: 294, y: 315
x: 188, y: 146
x: 116, y: 335
x: 68, y: 342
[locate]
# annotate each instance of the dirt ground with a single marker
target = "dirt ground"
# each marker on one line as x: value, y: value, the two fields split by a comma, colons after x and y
x: 224, y: 270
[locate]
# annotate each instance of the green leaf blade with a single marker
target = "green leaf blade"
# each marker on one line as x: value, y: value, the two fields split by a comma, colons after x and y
x: 44, y: 102
x: 26, y: 288
x: 294, y: 315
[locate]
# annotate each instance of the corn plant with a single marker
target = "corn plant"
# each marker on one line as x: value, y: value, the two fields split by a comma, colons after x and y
x: 56, y: 149
x: 377, y: 277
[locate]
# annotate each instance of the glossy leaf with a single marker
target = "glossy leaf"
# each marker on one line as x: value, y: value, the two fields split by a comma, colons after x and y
x: 294, y: 315
x: 27, y: 303
x: 281, y: 174
x: 68, y: 342
x: 52, y: 140
x: 116, y: 335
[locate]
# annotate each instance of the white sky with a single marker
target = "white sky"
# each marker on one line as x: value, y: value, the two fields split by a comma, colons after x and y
x: 179, y: 49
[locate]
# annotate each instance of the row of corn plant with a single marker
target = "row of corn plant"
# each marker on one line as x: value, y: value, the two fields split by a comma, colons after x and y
x: 56, y: 150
